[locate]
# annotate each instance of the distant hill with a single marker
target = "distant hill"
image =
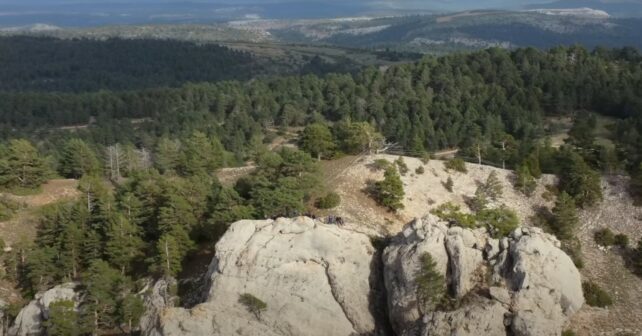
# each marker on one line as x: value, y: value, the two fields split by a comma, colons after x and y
x: 471, y: 30
x: 614, y: 8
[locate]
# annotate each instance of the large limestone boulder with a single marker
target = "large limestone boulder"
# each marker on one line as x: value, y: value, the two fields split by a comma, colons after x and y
x: 30, y: 318
x: 523, y: 283
x: 546, y: 282
x: 315, y: 279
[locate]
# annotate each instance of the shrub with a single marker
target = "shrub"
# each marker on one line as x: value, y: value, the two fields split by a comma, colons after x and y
x: 381, y: 164
x: 452, y: 213
x: 431, y: 285
x: 420, y: 170
x: 457, y: 165
x: 604, y: 237
x: 425, y: 158
x: 329, y: 201
x: 596, y: 296
x: 500, y: 222
x: 253, y: 304
x: 8, y: 208
x: 449, y: 184
x: 568, y: 333
x: 621, y: 240
x: 403, y: 167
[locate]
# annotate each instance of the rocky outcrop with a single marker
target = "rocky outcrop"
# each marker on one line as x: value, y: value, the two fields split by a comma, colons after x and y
x: 156, y: 298
x: 523, y: 284
x: 3, y: 306
x: 314, y: 278
x: 30, y: 318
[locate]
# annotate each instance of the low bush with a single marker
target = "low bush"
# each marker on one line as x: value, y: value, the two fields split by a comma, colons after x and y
x: 449, y: 184
x: 329, y: 201
x: 451, y: 213
x: 596, y: 296
x: 621, y: 240
x: 420, y: 170
x: 500, y: 221
x: 604, y: 237
x: 253, y: 304
x: 457, y: 165
x: 380, y: 164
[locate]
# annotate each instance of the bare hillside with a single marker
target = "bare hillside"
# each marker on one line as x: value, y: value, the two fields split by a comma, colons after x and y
x: 606, y: 266
x: 424, y: 191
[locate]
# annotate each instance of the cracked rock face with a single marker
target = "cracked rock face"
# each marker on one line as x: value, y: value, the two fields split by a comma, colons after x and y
x: 522, y: 285
x: 314, y: 278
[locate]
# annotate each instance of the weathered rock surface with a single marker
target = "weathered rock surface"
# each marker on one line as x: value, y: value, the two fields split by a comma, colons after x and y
x: 156, y: 299
x: 30, y: 318
x: 524, y: 283
x: 314, y: 278
x: 3, y: 306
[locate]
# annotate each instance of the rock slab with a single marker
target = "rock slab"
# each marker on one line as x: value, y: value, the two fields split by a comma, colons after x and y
x: 313, y: 277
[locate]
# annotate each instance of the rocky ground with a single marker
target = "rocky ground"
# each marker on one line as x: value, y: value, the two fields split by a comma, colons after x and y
x: 423, y: 191
x: 607, y: 267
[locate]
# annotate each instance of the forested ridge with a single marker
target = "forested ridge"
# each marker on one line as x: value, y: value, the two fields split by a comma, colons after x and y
x: 455, y: 100
x: 146, y: 159
x: 46, y: 64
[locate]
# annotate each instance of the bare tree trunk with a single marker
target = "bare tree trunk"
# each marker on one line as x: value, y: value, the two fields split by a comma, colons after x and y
x: 504, y: 154
x: 167, y: 257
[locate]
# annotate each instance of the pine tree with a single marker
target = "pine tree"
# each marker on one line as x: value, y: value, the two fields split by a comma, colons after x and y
x: 524, y: 181
x: 168, y: 155
x: 104, y: 289
x: 77, y: 159
x: 431, y: 285
x: 493, y: 187
x: 124, y: 243
x: 63, y: 319
x: 22, y: 166
x: 317, y: 140
x: 130, y: 310
x: 565, y: 218
x: 389, y: 192
x: 201, y: 156
x: 170, y: 255
x: 580, y: 181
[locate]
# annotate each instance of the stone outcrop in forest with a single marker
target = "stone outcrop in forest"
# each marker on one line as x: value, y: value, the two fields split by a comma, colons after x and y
x: 30, y: 319
x: 519, y: 285
x: 301, y: 277
x: 314, y: 279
